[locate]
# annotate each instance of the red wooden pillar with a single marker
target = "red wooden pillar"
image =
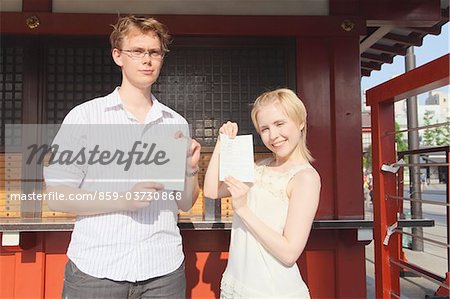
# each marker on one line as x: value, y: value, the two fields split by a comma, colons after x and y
x: 346, y: 127
x: 347, y: 152
x: 384, y: 211
x: 328, y: 81
x: 313, y: 88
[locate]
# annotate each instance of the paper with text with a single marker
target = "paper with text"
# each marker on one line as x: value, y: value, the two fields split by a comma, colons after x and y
x: 236, y: 158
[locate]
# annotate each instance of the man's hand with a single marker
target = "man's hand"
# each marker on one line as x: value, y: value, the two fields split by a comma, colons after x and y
x: 142, y: 195
x: 192, y: 154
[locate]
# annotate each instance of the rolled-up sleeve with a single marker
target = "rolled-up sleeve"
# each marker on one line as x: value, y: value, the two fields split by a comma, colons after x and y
x: 62, y: 169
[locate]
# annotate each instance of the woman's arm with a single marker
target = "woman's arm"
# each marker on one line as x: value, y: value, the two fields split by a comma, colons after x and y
x: 212, y: 187
x: 303, y: 191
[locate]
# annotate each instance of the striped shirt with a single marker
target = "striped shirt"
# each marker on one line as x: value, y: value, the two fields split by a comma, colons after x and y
x: 123, y: 246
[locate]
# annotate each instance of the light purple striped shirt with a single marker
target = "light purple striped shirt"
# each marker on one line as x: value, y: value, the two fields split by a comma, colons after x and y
x: 124, y: 246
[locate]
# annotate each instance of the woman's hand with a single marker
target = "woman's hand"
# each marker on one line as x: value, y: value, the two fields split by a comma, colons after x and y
x: 230, y: 129
x: 238, y: 192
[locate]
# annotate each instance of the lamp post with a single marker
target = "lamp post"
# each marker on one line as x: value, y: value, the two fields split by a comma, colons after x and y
x: 413, y: 143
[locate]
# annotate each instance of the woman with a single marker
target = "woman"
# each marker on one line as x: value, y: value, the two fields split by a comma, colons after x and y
x: 273, y: 217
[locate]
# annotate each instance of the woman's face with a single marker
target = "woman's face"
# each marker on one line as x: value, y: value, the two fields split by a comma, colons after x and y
x: 279, y: 133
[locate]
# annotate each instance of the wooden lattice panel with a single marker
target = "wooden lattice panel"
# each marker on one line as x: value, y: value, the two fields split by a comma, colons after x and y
x: 10, y: 173
x: 11, y: 87
x: 11, y: 189
x: 47, y: 213
x: 207, y: 85
x: 77, y: 72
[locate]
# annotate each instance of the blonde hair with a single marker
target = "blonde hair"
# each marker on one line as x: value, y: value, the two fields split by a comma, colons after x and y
x: 292, y: 106
x: 125, y: 24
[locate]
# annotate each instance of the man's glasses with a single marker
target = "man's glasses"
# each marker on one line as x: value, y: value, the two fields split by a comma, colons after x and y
x: 138, y: 54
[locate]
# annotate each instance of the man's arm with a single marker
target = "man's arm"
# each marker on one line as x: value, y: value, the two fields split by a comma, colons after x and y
x: 191, y: 187
x: 97, y: 203
x: 190, y: 193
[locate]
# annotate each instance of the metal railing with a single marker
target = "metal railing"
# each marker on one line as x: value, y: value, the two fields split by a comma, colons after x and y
x: 388, y: 181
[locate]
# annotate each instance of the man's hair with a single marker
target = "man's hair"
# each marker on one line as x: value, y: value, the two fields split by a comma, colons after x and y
x: 292, y: 106
x: 144, y: 24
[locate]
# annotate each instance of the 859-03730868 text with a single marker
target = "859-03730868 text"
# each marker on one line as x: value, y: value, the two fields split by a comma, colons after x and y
x: 98, y: 195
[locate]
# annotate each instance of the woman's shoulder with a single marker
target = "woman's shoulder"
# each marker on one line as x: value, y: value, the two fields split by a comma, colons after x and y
x: 306, y: 173
x: 305, y: 179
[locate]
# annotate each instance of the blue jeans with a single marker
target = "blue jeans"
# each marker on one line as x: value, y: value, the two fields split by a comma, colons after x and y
x: 81, y: 285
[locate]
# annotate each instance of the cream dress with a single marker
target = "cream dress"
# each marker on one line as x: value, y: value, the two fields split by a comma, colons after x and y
x: 252, y: 272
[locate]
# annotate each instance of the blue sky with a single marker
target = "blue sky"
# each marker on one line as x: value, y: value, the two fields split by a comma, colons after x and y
x: 432, y: 48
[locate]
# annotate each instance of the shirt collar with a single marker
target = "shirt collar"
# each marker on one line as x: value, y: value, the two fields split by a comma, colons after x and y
x: 158, y: 110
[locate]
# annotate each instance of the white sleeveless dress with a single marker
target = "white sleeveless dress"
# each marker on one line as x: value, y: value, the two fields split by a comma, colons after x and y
x: 252, y: 272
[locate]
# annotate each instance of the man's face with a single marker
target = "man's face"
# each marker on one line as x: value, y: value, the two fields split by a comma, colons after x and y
x: 140, y: 58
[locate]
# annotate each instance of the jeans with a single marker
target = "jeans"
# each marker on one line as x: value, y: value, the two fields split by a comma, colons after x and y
x: 81, y: 285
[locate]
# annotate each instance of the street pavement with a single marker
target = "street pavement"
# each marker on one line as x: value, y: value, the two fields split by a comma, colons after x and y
x: 433, y: 258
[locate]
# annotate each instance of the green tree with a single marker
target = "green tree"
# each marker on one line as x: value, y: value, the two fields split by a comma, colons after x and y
x: 367, y: 159
x: 436, y: 136
x: 446, y: 134
x: 428, y: 134
x: 399, y: 140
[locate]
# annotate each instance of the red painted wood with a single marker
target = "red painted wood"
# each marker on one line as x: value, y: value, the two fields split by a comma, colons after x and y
x: 442, y: 291
x: 7, y: 269
x: 54, y: 274
x: 99, y: 24
x: 37, y: 271
x: 321, y: 284
x: 328, y: 82
x: 313, y: 88
x: 418, y: 13
x: 29, y: 267
x: 56, y: 244
x: 330, y: 256
x: 384, y: 210
x: 345, y: 8
x: 348, y: 256
x: 381, y: 98
x: 346, y: 115
x: 206, y: 240
x: 204, y: 273
x: 335, y: 139
x: 206, y: 254
x: 432, y: 75
x: 37, y: 5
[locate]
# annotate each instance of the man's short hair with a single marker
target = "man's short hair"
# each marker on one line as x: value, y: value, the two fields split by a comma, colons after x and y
x: 145, y: 24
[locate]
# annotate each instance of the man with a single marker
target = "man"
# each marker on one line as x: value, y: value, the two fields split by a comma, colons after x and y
x: 129, y: 248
